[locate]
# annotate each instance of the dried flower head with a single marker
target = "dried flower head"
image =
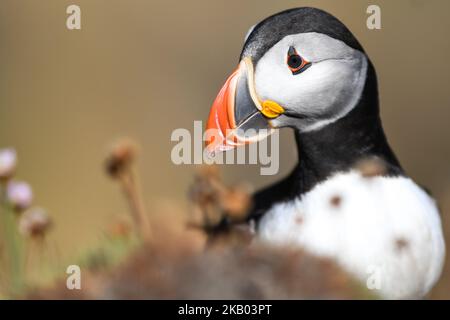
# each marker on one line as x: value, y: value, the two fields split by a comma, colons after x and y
x: 205, y: 192
x: 371, y: 167
x: 218, y: 204
x: 236, y: 202
x: 8, y: 162
x: 19, y: 194
x: 35, y: 222
x: 120, y: 157
x: 201, y: 193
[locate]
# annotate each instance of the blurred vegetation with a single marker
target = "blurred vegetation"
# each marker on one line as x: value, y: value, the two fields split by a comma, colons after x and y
x: 206, y: 254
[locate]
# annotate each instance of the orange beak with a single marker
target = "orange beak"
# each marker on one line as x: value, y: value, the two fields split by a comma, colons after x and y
x: 237, y: 117
x: 221, y: 121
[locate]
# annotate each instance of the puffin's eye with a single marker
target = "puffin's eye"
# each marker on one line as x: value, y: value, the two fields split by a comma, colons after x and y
x: 295, y: 62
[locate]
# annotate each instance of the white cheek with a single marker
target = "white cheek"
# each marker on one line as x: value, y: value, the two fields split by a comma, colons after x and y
x: 310, y: 92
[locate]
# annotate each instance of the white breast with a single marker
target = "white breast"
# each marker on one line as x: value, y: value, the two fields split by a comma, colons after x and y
x: 386, y: 231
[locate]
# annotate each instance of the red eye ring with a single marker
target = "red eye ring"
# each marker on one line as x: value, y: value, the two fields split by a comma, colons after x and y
x: 295, y: 62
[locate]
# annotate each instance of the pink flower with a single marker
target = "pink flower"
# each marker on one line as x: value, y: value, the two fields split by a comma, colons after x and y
x: 19, y: 194
x: 8, y: 161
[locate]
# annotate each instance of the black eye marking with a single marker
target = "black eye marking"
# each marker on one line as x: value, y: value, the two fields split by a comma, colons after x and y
x: 295, y: 62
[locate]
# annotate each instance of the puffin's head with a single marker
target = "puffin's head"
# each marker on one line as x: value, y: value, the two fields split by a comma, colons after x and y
x: 299, y: 68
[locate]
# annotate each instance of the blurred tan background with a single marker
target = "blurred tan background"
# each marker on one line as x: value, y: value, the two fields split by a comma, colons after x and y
x: 143, y: 68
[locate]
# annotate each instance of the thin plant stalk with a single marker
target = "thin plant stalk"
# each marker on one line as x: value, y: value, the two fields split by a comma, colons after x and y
x: 13, y: 247
x: 132, y: 192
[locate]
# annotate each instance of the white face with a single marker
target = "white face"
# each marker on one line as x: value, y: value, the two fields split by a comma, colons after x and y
x: 324, y: 92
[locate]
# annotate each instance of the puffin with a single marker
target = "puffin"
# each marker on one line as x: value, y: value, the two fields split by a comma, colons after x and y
x: 347, y: 198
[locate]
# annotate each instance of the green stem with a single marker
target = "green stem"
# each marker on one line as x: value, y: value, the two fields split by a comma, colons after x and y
x: 13, y: 247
